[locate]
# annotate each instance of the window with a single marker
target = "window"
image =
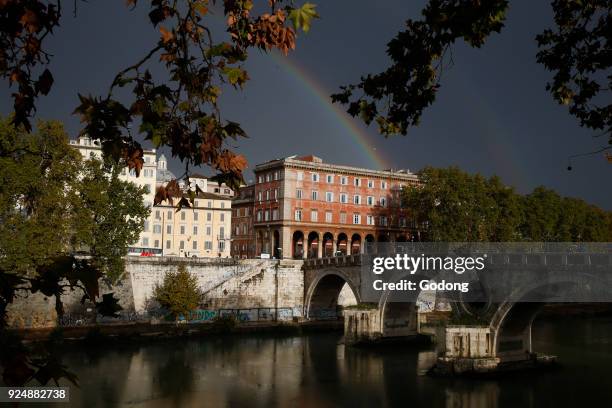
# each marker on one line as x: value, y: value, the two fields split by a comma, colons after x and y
x: 237, y: 230
x: 169, y: 215
x: 208, y: 230
x: 259, y: 215
x: 259, y: 196
x: 276, y: 175
x: 383, y: 201
x: 329, y: 196
x: 383, y: 185
x: 182, y: 245
x: 328, y: 216
x: 208, y: 216
x: 168, y: 229
x: 222, y: 217
x: 195, y: 230
x: 195, y: 215
x: 182, y: 229
x: 343, y: 198
x: 244, y: 229
x: 268, y: 177
x: 275, y: 214
x: 267, y: 215
x: 357, y: 182
x: 370, y: 183
x: 402, y: 221
x: 370, y: 200
x: 221, y: 245
x: 157, y: 215
x: 330, y: 178
x: 275, y: 193
x: 342, y: 218
x: 357, y: 199
x: 298, y: 215
x: 369, y: 220
x: 156, y: 243
x: 145, y: 241
x: 168, y: 244
x: 222, y: 204
x: 267, y: 195
x: 298, y: 194
x: 356, y: 219
x: 383, y: 220
x: 260, y: 179
x: 315, y: 195
x: 344, y: 180
x: 221, y: 233
x: 300, y: 175
x: 146, y: 226
x: 157, y: 229
x: 208, y: 245
x: 209, y: 204
x: 182, y: 215
x: 195, y: 244
x: 315, y: 177
x: 314, y: 215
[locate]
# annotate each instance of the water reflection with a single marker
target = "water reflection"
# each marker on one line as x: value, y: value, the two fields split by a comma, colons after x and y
x: 318, y: 371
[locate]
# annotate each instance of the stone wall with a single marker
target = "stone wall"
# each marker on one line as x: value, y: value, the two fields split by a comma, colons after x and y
x: 257, y: 286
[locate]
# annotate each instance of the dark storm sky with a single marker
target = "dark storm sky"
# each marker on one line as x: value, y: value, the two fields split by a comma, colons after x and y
x: 492, y: 115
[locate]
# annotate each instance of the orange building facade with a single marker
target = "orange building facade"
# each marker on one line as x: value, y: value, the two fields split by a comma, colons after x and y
x: 305, y: 208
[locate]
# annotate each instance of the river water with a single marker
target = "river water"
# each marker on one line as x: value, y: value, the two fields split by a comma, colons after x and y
x: 315, y: 371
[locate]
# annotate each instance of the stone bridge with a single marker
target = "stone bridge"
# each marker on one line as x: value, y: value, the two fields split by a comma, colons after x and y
x: 499, y: 329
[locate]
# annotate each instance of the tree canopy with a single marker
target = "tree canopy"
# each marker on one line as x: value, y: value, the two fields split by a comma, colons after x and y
x: 179, y: 109
x: 460, y: 207
x: 54, y: 205
x: 577, y: 51
x: 179, y: 292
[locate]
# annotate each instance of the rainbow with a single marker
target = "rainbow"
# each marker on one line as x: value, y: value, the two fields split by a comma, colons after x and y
x: 364, y: 141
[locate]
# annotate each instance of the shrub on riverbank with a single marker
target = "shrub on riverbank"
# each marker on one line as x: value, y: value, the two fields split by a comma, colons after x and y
x: 179, y: 293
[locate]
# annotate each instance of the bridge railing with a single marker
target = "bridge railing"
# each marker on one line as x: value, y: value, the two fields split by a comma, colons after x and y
x: 343, y: 260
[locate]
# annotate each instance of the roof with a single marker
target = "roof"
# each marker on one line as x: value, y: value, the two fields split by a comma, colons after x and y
x: 212, y: 196
x: 164, y: 175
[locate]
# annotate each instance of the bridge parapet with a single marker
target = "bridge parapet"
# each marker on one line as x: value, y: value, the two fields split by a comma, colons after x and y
x: 335, y: 261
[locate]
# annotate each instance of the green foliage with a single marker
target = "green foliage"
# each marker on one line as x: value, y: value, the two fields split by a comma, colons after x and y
x: 37, y: 203
x: 396, y: 97
x: 302, y: 17
x: 577, y: 51
x: 51, y: 205
x: 458, y: 207
x: 110, y: 216
x: 179, y: 292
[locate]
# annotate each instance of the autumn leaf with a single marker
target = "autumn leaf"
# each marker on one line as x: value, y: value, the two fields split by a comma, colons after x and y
x: 166, y: 35
x: 201, y: 8
x: 44, y: 83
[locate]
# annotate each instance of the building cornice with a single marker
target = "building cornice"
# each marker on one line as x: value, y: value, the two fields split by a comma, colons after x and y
x: 338, y: 169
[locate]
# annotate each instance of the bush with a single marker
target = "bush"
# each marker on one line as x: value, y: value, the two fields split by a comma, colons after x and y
x: 179, y: 293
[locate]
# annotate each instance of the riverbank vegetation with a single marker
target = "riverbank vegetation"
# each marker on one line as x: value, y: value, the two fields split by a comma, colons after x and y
x: 455, y: 206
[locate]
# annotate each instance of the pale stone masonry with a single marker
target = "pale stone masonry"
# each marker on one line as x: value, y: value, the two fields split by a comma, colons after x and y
x: 228, y: 284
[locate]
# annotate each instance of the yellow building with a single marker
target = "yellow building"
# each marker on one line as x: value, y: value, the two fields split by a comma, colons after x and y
x: 201, y: 231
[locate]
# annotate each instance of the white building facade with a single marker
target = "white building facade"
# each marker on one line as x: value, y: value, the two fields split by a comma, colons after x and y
x: 201, y: 231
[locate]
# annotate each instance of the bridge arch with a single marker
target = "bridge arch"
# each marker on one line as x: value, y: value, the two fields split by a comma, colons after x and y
x: 324, y: 292
x: 512, y: 321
